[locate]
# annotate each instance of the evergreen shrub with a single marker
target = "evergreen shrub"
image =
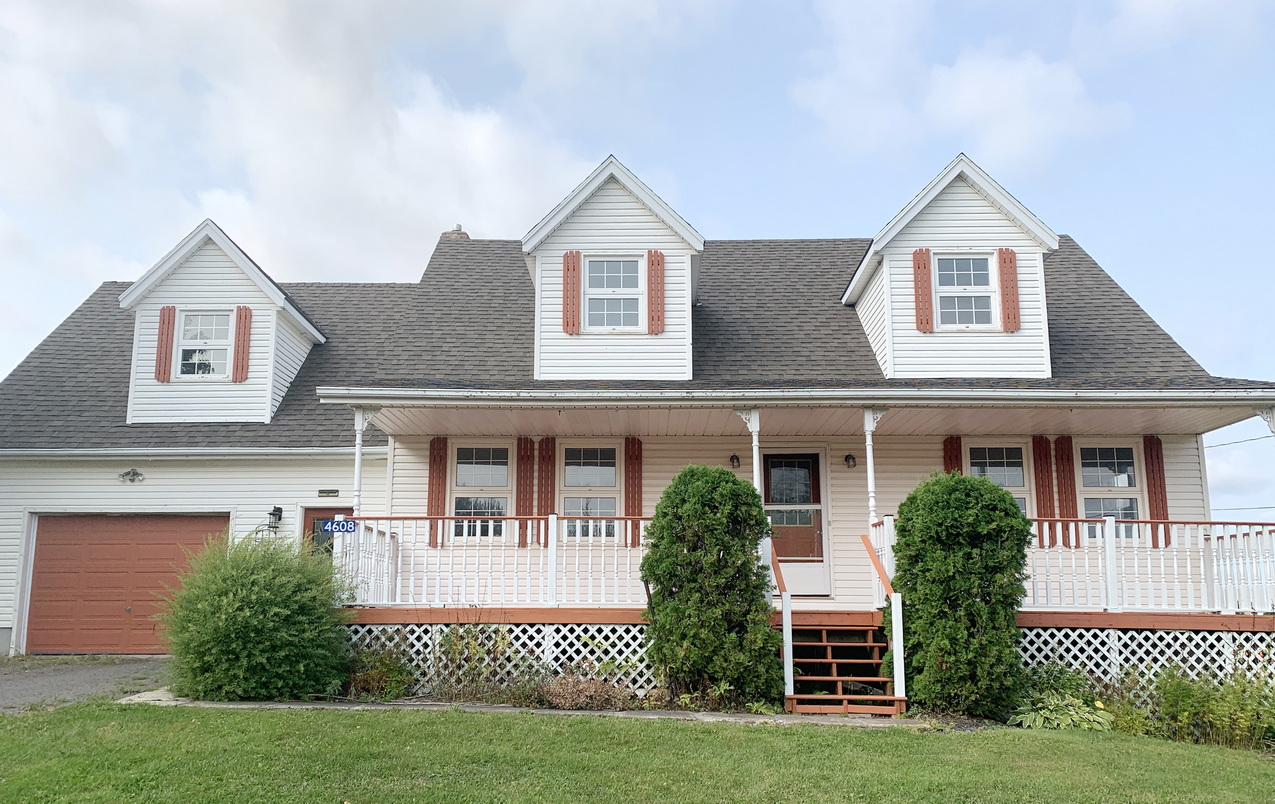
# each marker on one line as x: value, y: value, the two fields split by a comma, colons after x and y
x: 256, y: 620
x: 960, y: 553
x: 709, y: 614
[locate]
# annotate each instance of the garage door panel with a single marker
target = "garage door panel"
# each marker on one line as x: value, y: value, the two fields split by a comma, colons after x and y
x: 97, y: 579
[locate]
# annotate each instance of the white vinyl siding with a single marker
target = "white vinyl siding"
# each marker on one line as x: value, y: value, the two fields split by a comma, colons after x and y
x: 1184, y: 479
x: 873, y: 315
x: 207, y: 280
x: 613, y: 222
x: 290, y: 351
x: 961, y: 218
x: 243, y: 487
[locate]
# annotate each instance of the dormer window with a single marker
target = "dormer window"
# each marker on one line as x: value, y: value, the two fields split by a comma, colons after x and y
x: 964, y: 290
x: 613, y: 293
x: 203, y: 347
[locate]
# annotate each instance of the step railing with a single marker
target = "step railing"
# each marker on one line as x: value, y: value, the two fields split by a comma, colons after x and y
x: 785, y: 609
x: 896, y: 604
x: 493, y: 561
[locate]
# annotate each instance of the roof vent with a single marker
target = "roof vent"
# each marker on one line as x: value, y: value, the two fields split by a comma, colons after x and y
x: 456, y: 233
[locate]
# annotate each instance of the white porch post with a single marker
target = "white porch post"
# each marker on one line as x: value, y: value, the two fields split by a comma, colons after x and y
x: 870, y: 418
x: 752, y: 418
x: 361, y: 418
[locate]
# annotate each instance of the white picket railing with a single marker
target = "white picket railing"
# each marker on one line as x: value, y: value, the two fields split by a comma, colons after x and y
x: 493, y: 561
x: 1138, y: 565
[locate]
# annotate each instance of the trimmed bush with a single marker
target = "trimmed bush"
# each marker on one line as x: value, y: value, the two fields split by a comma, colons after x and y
x: 709, y: 614
x: 959, y: 557
x: 257, y: 620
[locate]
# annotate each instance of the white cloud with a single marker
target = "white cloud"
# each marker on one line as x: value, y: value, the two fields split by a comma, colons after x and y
x: 1137, y: 27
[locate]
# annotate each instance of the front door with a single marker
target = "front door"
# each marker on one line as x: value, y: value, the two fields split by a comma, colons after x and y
x: 312, y: 527
x: 793, y: 500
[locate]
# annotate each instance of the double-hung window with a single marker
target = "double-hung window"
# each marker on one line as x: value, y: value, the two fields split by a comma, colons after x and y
x: 1004, y: 466
x: 1109, y: 483
x: 613, y: 293
x: 203, y: 346
x: 482, y: 491
x: 965, y: 290
x: 590, y: 489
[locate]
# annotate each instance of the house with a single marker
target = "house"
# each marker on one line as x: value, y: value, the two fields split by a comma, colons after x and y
x: 485, y: 445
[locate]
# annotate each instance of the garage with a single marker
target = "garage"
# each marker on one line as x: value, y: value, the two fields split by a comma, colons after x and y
x: 96, y: 579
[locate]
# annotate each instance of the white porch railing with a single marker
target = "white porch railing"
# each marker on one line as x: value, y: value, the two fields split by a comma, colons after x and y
x: 493, y: 561
x: 1139, y: 565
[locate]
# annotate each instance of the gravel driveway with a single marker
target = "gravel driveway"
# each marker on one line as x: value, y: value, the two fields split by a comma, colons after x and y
x: 46, y: 681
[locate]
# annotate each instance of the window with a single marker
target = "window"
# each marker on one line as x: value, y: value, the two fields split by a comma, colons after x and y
x: 204, y: 346
x: 1005, y: 467
x: 965, y: 291
x: 613, y: 293
x: 482, y: 491
x: 590, y: 476
x: 1109, y: 478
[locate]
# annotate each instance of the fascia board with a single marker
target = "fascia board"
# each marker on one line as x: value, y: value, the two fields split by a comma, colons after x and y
x: 178, y: 453
x: 611, y: 168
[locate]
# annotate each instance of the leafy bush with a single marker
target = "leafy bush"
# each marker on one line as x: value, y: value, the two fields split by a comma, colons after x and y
x: 710, y: 606
x: 257, y: 619
x: 1237, y: 710
x: 381, y: 674
x: 959, y: 558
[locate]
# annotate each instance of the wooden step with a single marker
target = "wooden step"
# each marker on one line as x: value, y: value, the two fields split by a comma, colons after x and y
x: 798, y: 644
x: 843, y: 678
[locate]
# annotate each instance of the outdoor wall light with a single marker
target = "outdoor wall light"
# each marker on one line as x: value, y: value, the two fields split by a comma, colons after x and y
x: 273, y: 518
x: 734, y: 461
x: 851, y: 461
x: 132, y: 476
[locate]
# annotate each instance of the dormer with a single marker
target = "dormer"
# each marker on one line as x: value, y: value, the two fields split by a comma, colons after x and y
x: 954, y: 285
x: 614, y: 269
x: 214, y: 338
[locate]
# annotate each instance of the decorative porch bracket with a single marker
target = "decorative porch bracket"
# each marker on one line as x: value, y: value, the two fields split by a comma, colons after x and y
x: 752, y: 418
x: 870, y: 418
x: 1268, y: 416
x: 362, y: 417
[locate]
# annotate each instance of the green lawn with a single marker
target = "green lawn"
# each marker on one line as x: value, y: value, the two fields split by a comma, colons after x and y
x: 109, y: 752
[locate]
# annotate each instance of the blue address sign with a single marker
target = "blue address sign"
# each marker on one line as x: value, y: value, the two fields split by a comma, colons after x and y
x: 338, y: 526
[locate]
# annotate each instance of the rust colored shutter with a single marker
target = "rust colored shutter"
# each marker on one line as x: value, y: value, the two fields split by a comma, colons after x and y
x: 952, y: 458
x: 1065, y: 461
x: 1011, y: 320
x: 571, y: 293
x: 633, y: 487
x: 1043, y: 466
x: 164, y: 344
x: 243, y: 338
x: 921, y: 286
x: 436, y: 501
x: 654, y: 292
x: 525, y: 491
x: 546, y: 482
x: 1157, y: 488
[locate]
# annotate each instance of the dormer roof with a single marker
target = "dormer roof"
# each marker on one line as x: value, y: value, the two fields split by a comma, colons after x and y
x: 962, y: 167
x: 203, y: 233
x: 611, y: 168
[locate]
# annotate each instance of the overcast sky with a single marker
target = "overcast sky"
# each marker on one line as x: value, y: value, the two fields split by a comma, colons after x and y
x: 334, y: 141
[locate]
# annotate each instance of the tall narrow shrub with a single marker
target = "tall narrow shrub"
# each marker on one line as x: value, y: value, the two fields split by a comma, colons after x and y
x: 959, y: 564
x: 257, y: 619
x: 710, y: 609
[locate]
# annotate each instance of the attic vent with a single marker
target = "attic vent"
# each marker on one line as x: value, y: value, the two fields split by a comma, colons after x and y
x: 456, y: 233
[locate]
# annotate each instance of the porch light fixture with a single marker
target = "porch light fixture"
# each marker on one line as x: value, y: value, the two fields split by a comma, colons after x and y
x: 734, y: 461
x: 132, y: 476
x: 273, y: 518
x: 851, y: 461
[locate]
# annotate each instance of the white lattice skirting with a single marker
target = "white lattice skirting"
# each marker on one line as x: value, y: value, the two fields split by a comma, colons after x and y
x: 1107, y: 653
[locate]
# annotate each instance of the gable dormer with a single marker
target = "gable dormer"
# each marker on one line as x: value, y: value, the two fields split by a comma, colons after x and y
x: 214, y: 338
x: 614, y: 269
x: 954, y: 285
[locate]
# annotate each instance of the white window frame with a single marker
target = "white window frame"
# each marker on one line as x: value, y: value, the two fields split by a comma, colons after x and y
x: 180, y: 343
x: 477, y: 529
x: 1028, y: 489
x: 991, y: 290
x: 1136, y: 492
x: 611, y: 293
x: 597, y: 528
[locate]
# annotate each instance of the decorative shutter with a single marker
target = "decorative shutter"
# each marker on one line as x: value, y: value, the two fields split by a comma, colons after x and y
x: 525, y: 490
x: 1011, y: 320
x: 1065, y: 462
x: 1157, y: 487
x: 436, y: 501
x: 571, y: 293
x: 243, y: 337
x: 654, y: 292
x: 633, y: 487
x: 164, y: 344
x: 922, y: 288
x: 1043, y: 466
x: 546, y: 481
x: 952, y: 458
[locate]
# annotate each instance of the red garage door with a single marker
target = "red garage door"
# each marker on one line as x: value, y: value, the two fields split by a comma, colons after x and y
x: 95, y: 579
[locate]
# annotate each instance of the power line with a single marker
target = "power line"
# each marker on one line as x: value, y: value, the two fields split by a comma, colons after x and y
x: 1229, y: 443
x: 1250, y: 508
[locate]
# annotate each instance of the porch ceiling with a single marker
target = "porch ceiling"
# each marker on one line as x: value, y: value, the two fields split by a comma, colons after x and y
x: 815, y: 420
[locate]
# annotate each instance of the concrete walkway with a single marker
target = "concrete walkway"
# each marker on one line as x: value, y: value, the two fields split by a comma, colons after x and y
x: 38, y: 682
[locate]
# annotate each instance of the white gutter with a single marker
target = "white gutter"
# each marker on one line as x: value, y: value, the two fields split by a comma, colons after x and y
x: 172, y: 453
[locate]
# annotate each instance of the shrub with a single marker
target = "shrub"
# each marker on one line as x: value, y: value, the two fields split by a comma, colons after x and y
x: 710, y: 606
x: 481, y: 662
x: 381, y: 673
x: 959, y: 558
x: 574, y: 690
x: 1236, y: 710
x: 257, y: 619
x: 1054, y: 696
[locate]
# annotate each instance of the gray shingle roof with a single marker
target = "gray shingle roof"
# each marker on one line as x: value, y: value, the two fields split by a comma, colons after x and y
x: 768, y: 316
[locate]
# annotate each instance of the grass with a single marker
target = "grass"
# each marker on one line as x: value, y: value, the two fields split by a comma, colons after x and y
x: 109, y: 752
x: 22, y: 661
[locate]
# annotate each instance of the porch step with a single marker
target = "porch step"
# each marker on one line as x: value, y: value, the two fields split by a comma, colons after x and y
x: 837, y: 669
